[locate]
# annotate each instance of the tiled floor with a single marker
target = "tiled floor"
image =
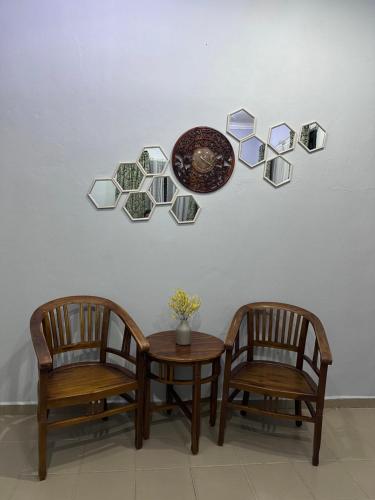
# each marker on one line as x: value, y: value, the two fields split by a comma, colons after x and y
x: 261, y: 460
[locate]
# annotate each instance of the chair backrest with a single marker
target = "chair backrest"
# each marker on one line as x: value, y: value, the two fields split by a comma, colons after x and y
x: 76, y: 322
x: 277, y: 325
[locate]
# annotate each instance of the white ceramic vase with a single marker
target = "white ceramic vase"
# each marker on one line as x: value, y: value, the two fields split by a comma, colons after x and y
x: 183, y: 333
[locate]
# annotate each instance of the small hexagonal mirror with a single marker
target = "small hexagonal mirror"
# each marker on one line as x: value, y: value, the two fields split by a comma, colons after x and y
x: 277, y: 171
x: 129, y: 176
x: 104, y: 193
x: 281, y: 138
x: 240, y: 124
x: 153, y: 160
x: 185, y: 209
x: 252, y: 151
x: 139, y: 206
x: 312, y: 137
x: 163, y: 189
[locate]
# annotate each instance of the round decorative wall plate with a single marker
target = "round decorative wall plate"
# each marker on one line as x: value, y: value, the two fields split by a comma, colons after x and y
x: 203, y: 159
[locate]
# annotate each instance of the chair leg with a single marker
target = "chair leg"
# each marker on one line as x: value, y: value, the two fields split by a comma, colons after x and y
x: 169, y: 397
x: 297, y: 406
x: 42, y: 445
x: 139, y: 420
x: 245, y: 402
x: 223, y: 416
x: 317, y: 439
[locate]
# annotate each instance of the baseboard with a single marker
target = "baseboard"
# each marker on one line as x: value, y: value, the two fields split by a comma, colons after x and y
x: 23, y: 408
x: 350, y: 402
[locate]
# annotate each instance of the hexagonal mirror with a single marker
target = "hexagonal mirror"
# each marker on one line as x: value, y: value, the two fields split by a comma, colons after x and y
x: 277, y: 171
x: 104, y: 193
x: 185, y: 209
x: 153, y: 160
x: 312, y: 137
x: 129, y: 176
x: 281, y: 138
x: 139, y: 206
x: 240, y: 124
x: 252, y: 151
x: 163, y: 189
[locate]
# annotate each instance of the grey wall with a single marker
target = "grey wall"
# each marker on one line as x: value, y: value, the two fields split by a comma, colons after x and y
x: 86, y: 84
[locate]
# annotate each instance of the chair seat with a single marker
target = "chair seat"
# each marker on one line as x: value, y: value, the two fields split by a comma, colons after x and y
x: 274, y: 379
x: 80, y: 382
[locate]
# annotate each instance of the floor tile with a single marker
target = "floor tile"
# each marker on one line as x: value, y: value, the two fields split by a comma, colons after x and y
x: 175, y: 427
x: 64, y: 457
x: 349, y: 443
x: 164, y: 484
x: 222, y: 483
x: 18, y: 428
x: 212, y: 454
x: 56, y: 487
x: 7, y: 486
x: 329, y: 481
x: 363, y: 472
x: 15, y: 457
x: 105, y: 485
x: 277, y: 482
x: 159, y: 453
x: 108, y: 454
x: 270, y: 442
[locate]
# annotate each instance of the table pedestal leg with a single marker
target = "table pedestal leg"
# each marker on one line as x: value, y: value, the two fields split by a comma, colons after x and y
x: 147, y: 404
x: 195, y: 422
x: 169, y: 397
x: 214, y: 386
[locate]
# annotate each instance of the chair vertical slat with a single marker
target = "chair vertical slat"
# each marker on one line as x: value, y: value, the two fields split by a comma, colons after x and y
x: 296, y: 330
x: 97, y: 322
x: 53, y: 329
x: 104, y: 334
x: 47, y: 331
x: 82, y: 322
x: 315, y: 355
x: 257, y: 325
x: 290, y: 328
x: 60, y: 325
x: 89, y: 322
x: 264, y: 316
x: 126, y: 340
x: 250, y: 335
x: 276, y: 335
x: 302, y: 343
x: 68, y: 332
x: 270, y: 325
x: 237, y: 343
x: 282, y: 340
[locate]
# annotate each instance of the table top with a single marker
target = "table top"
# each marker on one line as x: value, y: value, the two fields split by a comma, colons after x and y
x: 203, y: 347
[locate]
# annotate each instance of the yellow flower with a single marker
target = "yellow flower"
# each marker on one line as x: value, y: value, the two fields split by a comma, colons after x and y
x: 182, y: 305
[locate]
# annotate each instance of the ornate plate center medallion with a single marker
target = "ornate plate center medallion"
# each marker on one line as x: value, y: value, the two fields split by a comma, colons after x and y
x: 203, y: 159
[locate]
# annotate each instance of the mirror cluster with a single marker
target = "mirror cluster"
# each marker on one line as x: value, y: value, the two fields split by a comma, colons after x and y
x: 282, y: 138
x: 130, y: 178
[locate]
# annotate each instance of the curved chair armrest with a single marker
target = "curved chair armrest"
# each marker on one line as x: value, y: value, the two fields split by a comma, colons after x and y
x: 136, y: 333
x: 234, y: 328
x: 40, y: 345
x: 321, y: 337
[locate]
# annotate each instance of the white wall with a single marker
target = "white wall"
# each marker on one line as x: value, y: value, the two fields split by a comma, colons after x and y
x: 87, y: 83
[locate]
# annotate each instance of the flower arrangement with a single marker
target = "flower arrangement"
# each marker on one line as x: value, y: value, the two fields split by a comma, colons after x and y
x: 184, y: 306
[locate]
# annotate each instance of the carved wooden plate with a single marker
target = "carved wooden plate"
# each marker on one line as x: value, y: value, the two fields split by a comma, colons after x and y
x: 203, y: 159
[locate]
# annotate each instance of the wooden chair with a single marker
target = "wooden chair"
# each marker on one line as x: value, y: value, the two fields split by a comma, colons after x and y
x: 274, y: 325
x: 81, y: 323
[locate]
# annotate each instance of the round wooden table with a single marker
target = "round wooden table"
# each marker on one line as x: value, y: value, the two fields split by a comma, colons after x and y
x: 204, y: 349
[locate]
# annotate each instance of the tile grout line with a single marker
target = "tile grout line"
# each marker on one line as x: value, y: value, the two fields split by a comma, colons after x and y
x: 356, y: 482
x: 193, y: 482
x: 249, y: 482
